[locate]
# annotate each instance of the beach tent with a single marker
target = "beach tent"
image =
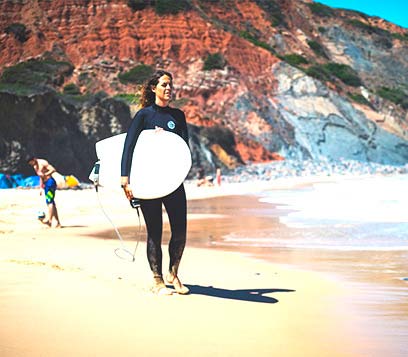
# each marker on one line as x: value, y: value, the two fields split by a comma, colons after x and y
x: 16, y: 180
x: 31, y: 181
x: 5, y: 181
x: 12, y: 181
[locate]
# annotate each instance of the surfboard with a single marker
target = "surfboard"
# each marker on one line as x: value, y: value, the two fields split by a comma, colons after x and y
x: 161, y: 162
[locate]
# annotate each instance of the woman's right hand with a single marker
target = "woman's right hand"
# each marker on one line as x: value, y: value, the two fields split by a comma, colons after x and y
x: 128, y: 191
x: 126, y: 187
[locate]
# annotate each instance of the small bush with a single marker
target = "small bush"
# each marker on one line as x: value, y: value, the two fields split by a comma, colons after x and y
x: 171, y: 7
x: 19, y: 31
x: 71, y: 89
x: 128, y: 98
x: 395, y: 95
x: 321, y: 10
x: 214, y: 61
x: 137, y: 75
x: 274, y: 12
x: 137, y: 5
x: 345, y: 73
x: 327, y: 71
x: 247, y: 36
x: 295, y: 60
x: 37, y: 72
x: 317, y: 48
x: 402, y: 37
x: 368, y: 28
x: 358, y: 98
x: 318, y: 72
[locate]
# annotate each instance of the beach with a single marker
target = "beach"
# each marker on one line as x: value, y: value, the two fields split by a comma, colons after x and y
x: 64, y: 291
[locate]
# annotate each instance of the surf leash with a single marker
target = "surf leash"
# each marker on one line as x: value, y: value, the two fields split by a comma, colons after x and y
x: 122, y: 252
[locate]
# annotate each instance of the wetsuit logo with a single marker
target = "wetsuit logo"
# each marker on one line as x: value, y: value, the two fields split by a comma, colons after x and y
x: 171, y: 125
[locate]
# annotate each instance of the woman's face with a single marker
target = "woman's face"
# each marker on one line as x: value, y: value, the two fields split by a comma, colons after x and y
x: 163, y: 90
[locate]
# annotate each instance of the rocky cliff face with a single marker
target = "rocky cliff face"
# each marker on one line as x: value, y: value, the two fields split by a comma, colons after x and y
x: 279, y: 94
x: 48, y: 125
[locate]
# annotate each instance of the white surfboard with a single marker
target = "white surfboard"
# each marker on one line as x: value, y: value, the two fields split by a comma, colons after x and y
x: 160, y: 164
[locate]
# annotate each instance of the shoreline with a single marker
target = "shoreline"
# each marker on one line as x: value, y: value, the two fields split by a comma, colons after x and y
x: 256, y: 297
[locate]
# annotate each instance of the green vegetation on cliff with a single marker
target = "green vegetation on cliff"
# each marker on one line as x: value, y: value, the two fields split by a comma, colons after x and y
x: 162, y: 7
x: 272, y: 8
x: 214, y: 61
x: 128, y: 98
x: 395, y: 95
x: 331, y: 70
x: 35, y: 74
x: 19, y: 31
x: 368, y: 28
x: 247, y: 36
x: 136, y: 75
x: 358, y: 98
x: 71, y: 89
x: 317, y: 48
x: 137, y: 5
x: 321, y: 10
x: 294, y: 59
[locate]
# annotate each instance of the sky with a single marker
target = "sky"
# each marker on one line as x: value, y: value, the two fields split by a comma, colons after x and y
x: 395, y: 11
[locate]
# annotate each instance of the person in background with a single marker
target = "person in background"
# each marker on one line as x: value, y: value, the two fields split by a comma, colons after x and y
x: 218, y: 176
x: 157, y: 115
x: 200, y: 177
x: 45, y: 171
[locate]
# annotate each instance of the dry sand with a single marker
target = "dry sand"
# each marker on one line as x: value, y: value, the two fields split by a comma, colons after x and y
x: 63, y: 292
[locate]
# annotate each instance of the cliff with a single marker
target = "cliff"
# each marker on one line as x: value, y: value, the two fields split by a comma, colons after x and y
x: 295, y: 78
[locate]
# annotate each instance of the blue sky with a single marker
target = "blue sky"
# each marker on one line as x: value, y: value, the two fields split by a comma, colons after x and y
x: 395, y: 11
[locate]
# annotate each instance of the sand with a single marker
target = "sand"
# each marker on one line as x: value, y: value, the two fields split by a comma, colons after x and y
x: 63, y: 292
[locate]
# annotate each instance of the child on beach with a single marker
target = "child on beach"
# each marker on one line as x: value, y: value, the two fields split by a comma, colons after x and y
x: 46, y: 171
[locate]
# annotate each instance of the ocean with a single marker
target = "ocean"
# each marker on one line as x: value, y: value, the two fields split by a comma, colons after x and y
x: 355, y: 228
x: 356, y: 214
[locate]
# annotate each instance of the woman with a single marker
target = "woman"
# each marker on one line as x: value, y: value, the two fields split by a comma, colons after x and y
x: 156, y: 114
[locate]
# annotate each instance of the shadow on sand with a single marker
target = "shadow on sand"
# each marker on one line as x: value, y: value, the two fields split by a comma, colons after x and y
x: 252, y: 295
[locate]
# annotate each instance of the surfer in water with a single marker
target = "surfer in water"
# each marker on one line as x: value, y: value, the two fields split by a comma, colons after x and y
x: 156, y: 114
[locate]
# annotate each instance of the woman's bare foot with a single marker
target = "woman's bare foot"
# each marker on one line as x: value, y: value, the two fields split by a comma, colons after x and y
x: 178, y: 286
x: 159, y: 287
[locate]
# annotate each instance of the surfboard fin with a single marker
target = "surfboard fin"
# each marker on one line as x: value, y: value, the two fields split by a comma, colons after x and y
x: 94, y: 175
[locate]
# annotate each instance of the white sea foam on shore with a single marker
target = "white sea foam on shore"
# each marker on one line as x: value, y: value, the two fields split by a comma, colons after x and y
x: 348, y: 213
x: 381, y: 199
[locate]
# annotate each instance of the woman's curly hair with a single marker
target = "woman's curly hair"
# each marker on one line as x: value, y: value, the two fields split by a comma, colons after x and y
x: 148, y: 96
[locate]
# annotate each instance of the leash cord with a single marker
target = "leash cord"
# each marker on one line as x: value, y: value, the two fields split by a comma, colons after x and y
x: 122, y: 247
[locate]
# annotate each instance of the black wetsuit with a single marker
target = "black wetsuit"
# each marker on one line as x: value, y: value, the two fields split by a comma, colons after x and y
x: 172, y: 120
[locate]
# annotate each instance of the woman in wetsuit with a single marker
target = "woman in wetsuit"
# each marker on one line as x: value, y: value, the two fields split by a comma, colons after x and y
x: 156, y: 114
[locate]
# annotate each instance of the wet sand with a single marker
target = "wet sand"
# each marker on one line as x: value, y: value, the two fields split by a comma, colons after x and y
x: 376, y: 295
x: 64, y: 292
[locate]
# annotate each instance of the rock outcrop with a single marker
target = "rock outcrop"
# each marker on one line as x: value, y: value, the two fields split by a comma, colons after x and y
x: 61, y: 130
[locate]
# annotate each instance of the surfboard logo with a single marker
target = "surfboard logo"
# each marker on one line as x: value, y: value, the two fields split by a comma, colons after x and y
x: 171, y: 124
